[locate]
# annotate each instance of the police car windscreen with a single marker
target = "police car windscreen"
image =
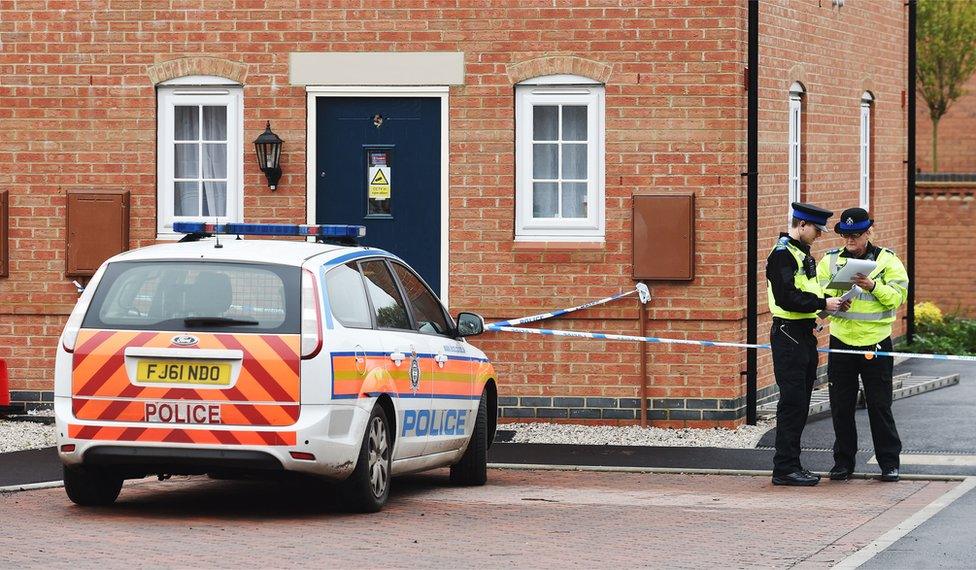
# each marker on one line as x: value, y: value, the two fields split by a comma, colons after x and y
x: 195, y: 295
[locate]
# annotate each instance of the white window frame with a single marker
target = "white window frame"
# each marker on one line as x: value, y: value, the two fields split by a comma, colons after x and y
x: 867, y: 100
x: 560, y: 90
x: 197, y: 90
x: 794, y: 146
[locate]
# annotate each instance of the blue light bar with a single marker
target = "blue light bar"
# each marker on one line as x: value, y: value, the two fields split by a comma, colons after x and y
x: 318, y: 230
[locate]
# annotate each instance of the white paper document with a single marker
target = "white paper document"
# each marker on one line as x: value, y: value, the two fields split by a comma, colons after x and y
x: 850, y: 294
x: 845, y: 275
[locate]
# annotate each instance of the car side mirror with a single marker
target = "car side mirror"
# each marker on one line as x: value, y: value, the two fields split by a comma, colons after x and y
x: 470, y: 324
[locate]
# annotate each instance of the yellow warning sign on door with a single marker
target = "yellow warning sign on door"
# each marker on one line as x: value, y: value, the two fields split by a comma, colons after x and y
x: 379, y: 182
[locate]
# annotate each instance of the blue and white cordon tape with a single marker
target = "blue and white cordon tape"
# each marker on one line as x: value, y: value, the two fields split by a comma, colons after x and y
x: 641, y: 290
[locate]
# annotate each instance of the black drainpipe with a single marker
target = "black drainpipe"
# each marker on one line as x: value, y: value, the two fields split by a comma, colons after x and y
x: 752, y: 222
x: 910, y: 330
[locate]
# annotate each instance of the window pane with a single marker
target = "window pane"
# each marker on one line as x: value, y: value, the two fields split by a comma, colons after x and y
x: 574, y: 123
x: 545, y: 159
x: 574, y: 199
x: 427, y: 309
x: 214, y: 123
x: 215, y: 160
x: 347, y: 298
x: 158, y: 295
x: 185, y: 163
x: 545, y: 199
x: 187, y: 199
x: 185, y: 120
x: 574, y: 161
x: 214, y: 198
x: 389, y: 309
x: 545, y: 123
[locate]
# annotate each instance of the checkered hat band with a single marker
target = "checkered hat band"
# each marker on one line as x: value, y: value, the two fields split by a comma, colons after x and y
x: 857, y: 226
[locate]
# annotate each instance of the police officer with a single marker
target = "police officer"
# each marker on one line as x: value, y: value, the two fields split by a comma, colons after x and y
x: 795, y: 297
x: 865, y: 326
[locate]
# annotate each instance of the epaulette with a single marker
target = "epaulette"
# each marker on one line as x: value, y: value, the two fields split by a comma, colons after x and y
x: 835, y: 250
x: 782, y: 243
x: 891, y: 251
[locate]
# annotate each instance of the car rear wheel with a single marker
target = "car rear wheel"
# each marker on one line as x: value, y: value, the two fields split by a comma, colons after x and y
x: 368, y: 487
x: 91, y: 487
x: 472, y: 469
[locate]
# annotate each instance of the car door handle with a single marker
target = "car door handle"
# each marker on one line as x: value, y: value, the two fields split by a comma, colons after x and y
x: 397, y: 357
x: 440, y: 359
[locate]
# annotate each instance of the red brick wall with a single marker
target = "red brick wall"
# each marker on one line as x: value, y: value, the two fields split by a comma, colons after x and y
x: 78, y: 106
x: 945, y: 268
x: 957, y: 134
x: 837, y: 54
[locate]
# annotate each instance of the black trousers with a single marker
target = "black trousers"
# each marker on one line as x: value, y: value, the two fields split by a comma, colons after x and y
x: 795, y: 366
x: 843, y: 371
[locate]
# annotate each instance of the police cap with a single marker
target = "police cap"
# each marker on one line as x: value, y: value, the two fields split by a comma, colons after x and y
x: 812, y: 214
x: 853, y: 221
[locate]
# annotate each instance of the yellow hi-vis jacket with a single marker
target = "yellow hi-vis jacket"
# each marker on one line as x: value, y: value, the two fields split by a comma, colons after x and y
x: 800, y: 280
x: 869, y: 319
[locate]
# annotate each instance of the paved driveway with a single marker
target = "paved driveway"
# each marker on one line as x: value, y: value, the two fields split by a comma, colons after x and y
x: 522, y: 518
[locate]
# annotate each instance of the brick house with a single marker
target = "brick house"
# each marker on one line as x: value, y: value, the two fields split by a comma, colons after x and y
x: 523, y: 130
x: 945, y: 207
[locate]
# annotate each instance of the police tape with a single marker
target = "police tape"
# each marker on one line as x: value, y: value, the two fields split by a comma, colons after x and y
x: 640, y: 289
x: 712, y: 343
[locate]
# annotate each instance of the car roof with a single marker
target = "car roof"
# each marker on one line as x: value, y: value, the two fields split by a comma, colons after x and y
x: 281, y: 252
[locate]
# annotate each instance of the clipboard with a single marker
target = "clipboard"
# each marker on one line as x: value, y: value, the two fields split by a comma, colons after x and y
x: 843, y: 279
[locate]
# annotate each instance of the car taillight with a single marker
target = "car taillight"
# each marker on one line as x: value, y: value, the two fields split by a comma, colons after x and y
x: 71, y: 328
x: 311, y: 318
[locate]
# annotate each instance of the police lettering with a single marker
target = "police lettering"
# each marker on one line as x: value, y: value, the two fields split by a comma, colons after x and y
x: 434, y: 422
x: 182, y: 413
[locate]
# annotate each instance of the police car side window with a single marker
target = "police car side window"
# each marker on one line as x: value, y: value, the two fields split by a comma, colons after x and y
x: 347, y: 297
x: 388, y: 306
x: 427, y: 310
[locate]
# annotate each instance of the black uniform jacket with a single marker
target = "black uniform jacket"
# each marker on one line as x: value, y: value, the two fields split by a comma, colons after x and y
x: 780, y: 269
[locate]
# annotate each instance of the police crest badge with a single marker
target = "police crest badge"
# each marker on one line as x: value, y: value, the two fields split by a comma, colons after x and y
x: 414, y: 373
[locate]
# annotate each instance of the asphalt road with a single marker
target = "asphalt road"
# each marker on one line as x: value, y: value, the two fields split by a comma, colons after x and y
x: 934, y: 423
x: 941, y: 422
x: 943, y: 541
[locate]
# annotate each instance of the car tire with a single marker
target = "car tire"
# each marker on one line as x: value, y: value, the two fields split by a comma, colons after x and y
x: 368, y: 488
x: 472, y: 469
x: 91, y: 487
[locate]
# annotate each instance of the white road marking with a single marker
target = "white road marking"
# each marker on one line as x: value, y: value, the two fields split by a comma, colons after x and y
x: 908, y: 525
x: 31, y: 486
x: 929, y: 459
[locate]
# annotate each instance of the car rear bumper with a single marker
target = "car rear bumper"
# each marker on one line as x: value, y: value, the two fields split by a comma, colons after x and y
x: 332, y: 433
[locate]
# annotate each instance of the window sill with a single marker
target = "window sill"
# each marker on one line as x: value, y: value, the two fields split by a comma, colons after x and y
x: 558, y: 246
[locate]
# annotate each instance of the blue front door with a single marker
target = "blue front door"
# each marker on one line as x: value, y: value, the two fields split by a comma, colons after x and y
x: 378, y: 164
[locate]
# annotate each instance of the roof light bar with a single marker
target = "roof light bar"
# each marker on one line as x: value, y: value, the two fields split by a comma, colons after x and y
x: 318, y: 230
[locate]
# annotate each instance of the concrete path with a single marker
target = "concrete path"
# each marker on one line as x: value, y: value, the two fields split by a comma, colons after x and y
x: 521, y: 518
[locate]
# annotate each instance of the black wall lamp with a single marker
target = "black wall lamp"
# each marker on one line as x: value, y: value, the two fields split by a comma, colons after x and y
x: 268, y: 148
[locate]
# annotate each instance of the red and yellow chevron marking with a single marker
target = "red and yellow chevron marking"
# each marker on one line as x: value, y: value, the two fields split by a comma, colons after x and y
x: 454, y: 379
x: 230, y: 414
x: 269, y: 373
x: 180, y: 435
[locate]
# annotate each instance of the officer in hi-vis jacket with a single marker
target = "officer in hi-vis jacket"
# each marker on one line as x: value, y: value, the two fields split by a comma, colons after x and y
x: 865, y: 326
x: 795, y: 297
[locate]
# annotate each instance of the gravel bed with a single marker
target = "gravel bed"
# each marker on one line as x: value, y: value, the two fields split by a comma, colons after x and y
x: 16, y: 436
x: 743, y: 437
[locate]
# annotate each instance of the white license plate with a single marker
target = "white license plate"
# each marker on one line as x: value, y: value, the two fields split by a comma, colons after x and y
x: 182, y: 413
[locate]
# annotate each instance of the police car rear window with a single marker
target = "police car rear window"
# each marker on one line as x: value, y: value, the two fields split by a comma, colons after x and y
x: 180, y: 295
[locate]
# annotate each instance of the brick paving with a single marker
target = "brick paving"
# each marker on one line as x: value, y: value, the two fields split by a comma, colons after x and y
x: 521, y: 518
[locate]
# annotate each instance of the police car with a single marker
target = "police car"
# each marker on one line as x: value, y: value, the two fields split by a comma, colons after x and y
x: 229, y: 356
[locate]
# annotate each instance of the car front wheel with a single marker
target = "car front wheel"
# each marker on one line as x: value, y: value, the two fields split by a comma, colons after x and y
x: 472, y: 469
